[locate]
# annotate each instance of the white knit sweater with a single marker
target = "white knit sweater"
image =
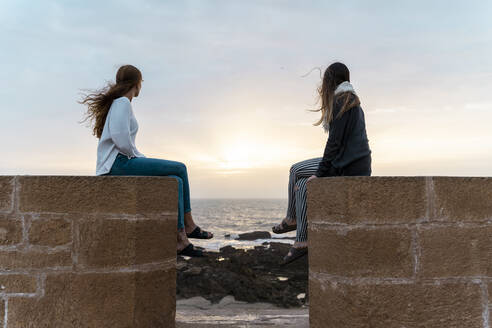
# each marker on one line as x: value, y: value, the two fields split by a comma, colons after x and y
x: 118, y: 136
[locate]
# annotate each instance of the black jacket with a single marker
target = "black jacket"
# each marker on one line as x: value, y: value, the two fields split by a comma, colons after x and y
x: 347, y: 141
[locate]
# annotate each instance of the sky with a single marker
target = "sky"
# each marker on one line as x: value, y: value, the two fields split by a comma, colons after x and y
x: 226, y: 89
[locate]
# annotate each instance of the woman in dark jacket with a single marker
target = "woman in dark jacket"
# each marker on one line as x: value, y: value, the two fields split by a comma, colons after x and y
x: 346, y: 153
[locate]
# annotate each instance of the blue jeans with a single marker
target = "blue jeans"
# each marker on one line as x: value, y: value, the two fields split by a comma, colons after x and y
x: 157, y: 167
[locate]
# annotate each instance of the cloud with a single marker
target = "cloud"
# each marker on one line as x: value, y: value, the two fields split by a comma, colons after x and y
x: 228, y: 72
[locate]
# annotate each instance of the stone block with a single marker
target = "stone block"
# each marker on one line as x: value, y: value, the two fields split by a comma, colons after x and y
x: 363, y: 200
x: 50, y: 232
x: 146, y: 196
x: 124, y: 299
x: 458, y: 251
x: 10, y: 230
x: 18, y: 283
x: 34, y: 259
x: 155, y: 298
x: 462, y: 199
x: 106, y: 243
x: 395, y: 305
x: 382, y: 252
x: 7, y: 185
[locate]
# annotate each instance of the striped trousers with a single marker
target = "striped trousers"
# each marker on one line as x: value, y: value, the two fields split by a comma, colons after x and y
x: 297, y: 207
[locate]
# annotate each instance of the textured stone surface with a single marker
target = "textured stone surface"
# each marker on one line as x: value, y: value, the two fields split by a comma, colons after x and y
x: 18, y: 283
x: 385, y: 252
x: 88, y: 251
x: 2, y: 312
x: 10, y: 230
x: 99, y: 300
x: 353, y: 200
x: 72, y: 300
x: 436, y: 233
x: 155, y: 298
x: 118, y: 195
x: 462, y: 199
x: 6, y: 193
x: 456, y: 251
x: 120, y: 242
x: 50, y: 232
x: 489, y: 287
x: 34, y: 259
x: 395, y: 306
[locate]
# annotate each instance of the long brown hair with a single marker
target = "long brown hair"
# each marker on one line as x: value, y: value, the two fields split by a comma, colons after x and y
x: 335, y: 74
x: 98, y: 102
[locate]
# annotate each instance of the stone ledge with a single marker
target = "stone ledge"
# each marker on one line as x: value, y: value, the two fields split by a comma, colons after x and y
x: 359, y: 200
x: 87, y: 251
x: 382, y: 247
x: 112, y: 195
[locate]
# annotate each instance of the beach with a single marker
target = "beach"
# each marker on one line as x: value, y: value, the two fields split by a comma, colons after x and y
x: 198, y: 312
x: 240, y: 282
x: 242, y: 288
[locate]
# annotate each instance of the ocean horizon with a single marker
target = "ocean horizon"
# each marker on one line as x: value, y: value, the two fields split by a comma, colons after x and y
x: 229, y: 217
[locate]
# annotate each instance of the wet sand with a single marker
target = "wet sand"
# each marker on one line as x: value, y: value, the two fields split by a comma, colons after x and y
x: 197, y: 312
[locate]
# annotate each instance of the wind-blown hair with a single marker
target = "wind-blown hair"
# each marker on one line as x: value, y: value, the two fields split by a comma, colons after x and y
x: 99, y: 101
x: 334, y: 75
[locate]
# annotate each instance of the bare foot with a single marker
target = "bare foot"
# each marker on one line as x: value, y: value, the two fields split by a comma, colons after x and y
x: 290, y: 225
x: 290, y: 221
x: 297, y: 244
x: 300, y: 244
x: 182, y: 241
x: 298, y: 250
x: 190, y: 225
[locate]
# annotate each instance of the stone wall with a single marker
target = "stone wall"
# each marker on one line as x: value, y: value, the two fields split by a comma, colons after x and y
x: 400, y: 252
x: 87, y: 251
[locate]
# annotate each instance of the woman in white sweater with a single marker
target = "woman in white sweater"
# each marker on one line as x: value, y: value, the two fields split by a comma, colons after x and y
x: 115, y: 125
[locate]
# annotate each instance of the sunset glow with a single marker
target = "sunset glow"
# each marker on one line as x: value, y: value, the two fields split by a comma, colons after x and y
x: 226, y: 90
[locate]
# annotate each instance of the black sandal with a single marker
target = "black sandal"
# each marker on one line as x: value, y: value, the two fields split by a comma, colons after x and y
x: 283, y: 227
x: 190, y: 251
x: 198, y: 233
x: 295, y: 254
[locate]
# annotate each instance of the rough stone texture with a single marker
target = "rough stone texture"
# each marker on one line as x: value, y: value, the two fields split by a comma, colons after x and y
x: 119, y: 242
x: 462, y: 199
x: 6, y: 194
x: 50, y: 232
x: 456, y: 251
x: 119, y: 299
x: 34, y: 259
x: 489, y: 288
x: 155, y: 299
x: 88, y: 251
x: 130, y: 299
x: 362, y: 252
x: 10, y: 230
x: 118, y: 195
x: 18, y: 283
x: 395, y: 306
x: 2, y: 312
x: 400, y: 252
x: 353, y: 200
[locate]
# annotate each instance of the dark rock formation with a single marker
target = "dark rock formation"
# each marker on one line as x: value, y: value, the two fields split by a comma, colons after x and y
x: 254, y: 235
x: 252, y: 275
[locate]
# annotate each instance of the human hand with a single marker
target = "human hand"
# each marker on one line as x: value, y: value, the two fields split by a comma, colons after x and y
x: 312, y: 177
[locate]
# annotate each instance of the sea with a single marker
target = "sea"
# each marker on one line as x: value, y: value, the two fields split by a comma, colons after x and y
x: 227, y: 218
